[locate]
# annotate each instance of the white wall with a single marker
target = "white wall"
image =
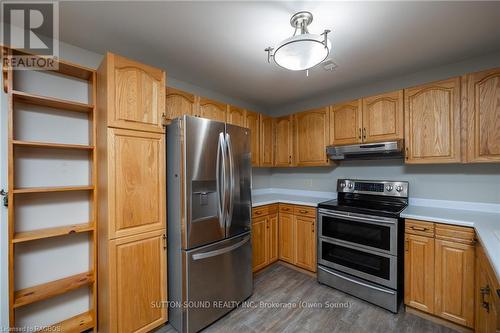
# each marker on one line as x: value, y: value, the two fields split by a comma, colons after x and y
x: 470, y: 182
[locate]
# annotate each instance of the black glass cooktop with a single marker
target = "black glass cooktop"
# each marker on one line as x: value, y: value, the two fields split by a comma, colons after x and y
x: 367, y: 205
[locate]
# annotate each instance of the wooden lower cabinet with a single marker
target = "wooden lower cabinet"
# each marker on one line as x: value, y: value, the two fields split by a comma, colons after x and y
x: 137, y: 274
x: 439, y: 270
x: 486, y: 295
x: 454, y: 282
x: 264, y: 237
x: 287, y: 234
x: 305, y: 243
x: 286, y: 237
x: 419, y: 272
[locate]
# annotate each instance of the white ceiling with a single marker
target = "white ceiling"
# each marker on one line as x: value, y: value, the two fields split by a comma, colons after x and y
x: 220, y: 45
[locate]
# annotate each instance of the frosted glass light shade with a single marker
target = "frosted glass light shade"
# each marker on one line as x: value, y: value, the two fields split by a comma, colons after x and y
x: 301, y: 52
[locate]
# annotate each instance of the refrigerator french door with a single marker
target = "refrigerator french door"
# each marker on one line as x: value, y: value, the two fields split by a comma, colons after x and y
x: 209, y: 220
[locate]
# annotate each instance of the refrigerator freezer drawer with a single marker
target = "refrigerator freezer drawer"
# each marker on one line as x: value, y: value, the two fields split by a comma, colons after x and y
x: 219, y: 275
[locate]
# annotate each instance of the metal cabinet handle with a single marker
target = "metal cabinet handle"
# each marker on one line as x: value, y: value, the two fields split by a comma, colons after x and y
x: 258, y: 212
x: 164, y: 241
x: 359, y: 133
x: 485, y: 291
x: 364, y: 133
x: 302, y: 211
x: 419, y: 228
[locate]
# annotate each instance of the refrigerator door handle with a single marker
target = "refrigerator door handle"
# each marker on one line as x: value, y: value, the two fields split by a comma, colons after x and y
x: 231, y: 181
x: 218, y: 252
x: 221, y: 192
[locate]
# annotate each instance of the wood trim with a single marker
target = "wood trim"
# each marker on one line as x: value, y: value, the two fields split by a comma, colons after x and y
x: 438, y: 320
x: 52, y: 189
x: 78, y: 323
x: 33, y: 144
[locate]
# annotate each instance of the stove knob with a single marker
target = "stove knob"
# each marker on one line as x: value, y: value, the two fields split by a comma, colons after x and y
x: 399, y: 188
x: 351, y: 185
x: 342, y: 185
x: 389, y: 188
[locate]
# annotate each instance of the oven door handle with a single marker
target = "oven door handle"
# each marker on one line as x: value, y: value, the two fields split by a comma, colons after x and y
x: 356, y: 282
x: 357, y: 218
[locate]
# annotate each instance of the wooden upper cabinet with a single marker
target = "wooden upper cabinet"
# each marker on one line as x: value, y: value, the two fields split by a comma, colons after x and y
x: 283, y: 141
x: 482, y: 113
x: 432, y: 122
x: 236, y: 116
x: 266, y: 141
x: 345, y: 123
x: 138, y: 276
x: 312, y: 129
x: 383, y: 117
x: 136, y: 182
x: 136, y: 94
x: 419, y: 272
x: 252, y: 122
x: 211, y: 109
x: 179, y: 103
x: 454, y: 284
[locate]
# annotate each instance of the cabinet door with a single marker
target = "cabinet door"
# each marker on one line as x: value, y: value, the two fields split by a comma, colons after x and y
x: 236, y: 116
x: 345, y: 123
x: 383, y: 117
x: 138, y: 280
x: 454, y: 283
x: 487, y: 300
x: 252, y: 122
x: 312, y: 131
x: 419, y: 272
x: 283, y: 147
x: 136, y: 178
x: 305, y: 243
x: 266, y: 141
x: 259, y: 243
x: 137, y: 94
x: 432, y: 122
x: 213, y: 110
x: 178, y: 103
x: 286, y: 236
x: 482, y: 114
x: 273, y: 237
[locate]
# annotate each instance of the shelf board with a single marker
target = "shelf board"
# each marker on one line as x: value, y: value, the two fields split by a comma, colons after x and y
x: 26, y: 236
x: 78, y: 323
x: 65, y: 67
x: 50, y: 289
x: 51, y: 102
x: 35, y: 144
x: 52, y: 189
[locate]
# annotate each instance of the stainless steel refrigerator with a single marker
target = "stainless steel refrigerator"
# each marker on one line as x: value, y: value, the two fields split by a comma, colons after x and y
x: 209, y: 220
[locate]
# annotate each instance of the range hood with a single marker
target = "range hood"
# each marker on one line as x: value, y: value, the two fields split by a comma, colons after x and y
x: 368, y: 151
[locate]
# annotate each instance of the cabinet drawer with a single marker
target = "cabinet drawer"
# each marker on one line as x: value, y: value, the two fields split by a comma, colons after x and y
x: 421, y: 228
x: 264, y: 210
x: 284, y: 208
x: 304, y: 211
x: 455, y: 233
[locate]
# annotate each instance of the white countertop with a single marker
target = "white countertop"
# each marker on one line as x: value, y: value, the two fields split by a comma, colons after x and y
x: 486, y: 224
x: 269, y: 196
x: 484, y: 218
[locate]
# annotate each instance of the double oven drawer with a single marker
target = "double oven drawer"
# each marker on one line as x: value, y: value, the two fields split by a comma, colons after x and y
x: 360, y: 245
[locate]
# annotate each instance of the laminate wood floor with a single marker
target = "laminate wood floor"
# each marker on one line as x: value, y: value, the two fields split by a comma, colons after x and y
x: 281, y: 284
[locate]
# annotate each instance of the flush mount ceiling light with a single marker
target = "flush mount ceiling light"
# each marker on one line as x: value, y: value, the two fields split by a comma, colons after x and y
x: 303, y: 50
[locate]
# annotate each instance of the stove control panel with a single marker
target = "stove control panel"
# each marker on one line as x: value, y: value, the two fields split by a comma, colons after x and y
x: 375, y: 187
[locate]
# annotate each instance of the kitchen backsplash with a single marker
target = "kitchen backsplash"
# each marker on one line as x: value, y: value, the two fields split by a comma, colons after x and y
x: 471, y: 182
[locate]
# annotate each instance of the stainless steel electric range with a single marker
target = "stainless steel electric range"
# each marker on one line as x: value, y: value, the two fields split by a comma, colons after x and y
x: 360, y: 240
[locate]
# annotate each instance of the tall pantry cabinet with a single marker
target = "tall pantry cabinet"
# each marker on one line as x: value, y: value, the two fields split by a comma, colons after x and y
x: 131, y: 182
